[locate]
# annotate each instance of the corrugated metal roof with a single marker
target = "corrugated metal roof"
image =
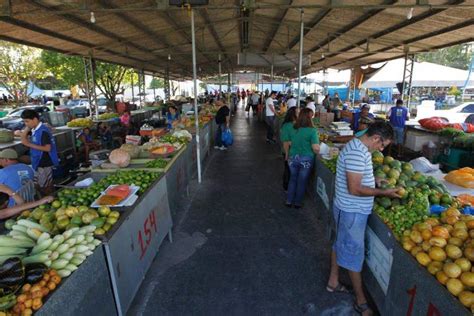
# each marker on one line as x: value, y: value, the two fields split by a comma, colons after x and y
x: 141, y: 34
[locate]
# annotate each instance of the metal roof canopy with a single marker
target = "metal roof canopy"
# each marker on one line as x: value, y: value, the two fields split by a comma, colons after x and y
x: 148, y: 35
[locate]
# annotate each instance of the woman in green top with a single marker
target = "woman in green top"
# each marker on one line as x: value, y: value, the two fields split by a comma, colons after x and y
x: 304, y: 143
x: 287, y: 129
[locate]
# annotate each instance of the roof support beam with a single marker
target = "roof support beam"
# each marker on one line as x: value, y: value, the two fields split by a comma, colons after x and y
x: 309, y: 26
x: 173, y: 22
x: 142, y: 28
x: 349, y: 27
x: 273, y: 32
x: 63, y: 37
x: 448, y: 29
x: 206, y: 18
x: 395, y: 28
x: 95, y: 28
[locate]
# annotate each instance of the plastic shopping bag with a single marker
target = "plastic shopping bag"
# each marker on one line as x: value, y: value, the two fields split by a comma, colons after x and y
x: 227, y: 138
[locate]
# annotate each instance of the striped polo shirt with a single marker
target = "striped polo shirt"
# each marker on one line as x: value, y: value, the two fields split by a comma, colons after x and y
x: 356, y: 158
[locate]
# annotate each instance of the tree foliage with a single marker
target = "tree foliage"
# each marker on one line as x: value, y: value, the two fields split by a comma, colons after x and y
x: 156, y: 83
x: 109, y: 78
x: 19, y: 65
x: 457, y: 56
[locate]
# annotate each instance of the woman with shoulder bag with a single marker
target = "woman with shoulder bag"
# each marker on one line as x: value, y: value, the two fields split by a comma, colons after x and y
x: 304, y: 144
x: 287, y: 129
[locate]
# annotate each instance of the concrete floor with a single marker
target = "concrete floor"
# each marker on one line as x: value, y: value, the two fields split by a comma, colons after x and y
x: 237, y: 249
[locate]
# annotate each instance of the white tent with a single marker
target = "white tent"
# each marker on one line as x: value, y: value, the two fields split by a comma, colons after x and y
x: 425, y: 74
x: 333, y: 76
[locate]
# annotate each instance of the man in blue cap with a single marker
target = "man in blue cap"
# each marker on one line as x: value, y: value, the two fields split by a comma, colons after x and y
x: 14, y: 174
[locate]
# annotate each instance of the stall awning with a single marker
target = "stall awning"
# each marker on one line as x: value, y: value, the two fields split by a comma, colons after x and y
x: 142, y: 34
x: 425, y: 74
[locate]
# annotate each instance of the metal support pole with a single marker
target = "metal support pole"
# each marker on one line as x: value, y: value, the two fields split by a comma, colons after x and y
x: 87, y: 68
x: 407, y: 78
x: 220, y: 75
x: 271, y: 78
x: 196, y: 116
x: 154, y: 90
x: 300, y: 59
x: 133, y: 93
x: 93, y: 86
x: 354, y: 88
x: 228, y: 88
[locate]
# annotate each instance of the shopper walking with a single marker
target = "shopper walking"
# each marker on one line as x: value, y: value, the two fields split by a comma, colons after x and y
x: 353, y: 203
x: 270, y: 116
x: 255, y: 98
x: 398, y: 115
x: 304, y: 143
x: 222, y: 121
x: 286, y: 132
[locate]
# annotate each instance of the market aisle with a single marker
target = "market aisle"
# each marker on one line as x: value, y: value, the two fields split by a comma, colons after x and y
x: 238, y: 250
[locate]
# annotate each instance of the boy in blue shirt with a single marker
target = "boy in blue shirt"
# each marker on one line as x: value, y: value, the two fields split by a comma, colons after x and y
x: 398, y: 115
x: 42, y: 150
x: 14, y: 174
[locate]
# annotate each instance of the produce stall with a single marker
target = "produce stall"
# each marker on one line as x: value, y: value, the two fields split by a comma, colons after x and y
x: 404, y: 239
x: 86, y: 291
x: 63, y: 234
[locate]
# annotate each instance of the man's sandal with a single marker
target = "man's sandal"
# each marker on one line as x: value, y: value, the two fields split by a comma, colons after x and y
x: 340, y: 288
x: 362, y: 308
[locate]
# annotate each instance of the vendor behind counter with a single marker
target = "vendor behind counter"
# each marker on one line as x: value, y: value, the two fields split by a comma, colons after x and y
x: 14, y: 174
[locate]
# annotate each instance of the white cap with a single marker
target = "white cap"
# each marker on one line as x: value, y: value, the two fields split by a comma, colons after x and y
x: 311, y: 106
x: 291, y: 103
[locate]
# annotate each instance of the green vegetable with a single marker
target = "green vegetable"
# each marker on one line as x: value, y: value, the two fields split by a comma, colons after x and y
x: 6, y: 241
x: 38, y: 258
x: 157, y: 163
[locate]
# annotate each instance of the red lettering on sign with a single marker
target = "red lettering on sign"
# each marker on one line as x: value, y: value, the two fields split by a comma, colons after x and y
x: 412, y: 293
x: 433, y: 311
x: 146, y: 234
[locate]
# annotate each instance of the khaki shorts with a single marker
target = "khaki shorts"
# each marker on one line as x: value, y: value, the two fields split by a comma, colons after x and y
x: 44, y: 177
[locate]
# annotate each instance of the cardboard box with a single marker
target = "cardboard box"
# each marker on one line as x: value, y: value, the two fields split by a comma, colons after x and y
x: 324, y: 119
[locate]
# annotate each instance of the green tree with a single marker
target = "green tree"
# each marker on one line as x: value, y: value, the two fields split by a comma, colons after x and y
x: 67, y: 69
x: 19, y: 65
x: 457, y: 56
x: 109, y: 78
x: 156, y: 83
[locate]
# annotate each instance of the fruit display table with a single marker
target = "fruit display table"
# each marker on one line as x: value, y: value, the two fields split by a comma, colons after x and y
x: 133, y: 242
x: 323, y: 187
x: 397, y: 283
x: 86, y: 292
x: 178, y: 177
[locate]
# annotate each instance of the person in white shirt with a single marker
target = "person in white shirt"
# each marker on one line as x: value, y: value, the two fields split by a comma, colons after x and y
x: 270, y: 116
x: 254, y: 102
x: 291, y: 102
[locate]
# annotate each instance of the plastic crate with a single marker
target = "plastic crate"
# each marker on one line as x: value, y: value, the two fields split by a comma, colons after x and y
x: 455, y: 158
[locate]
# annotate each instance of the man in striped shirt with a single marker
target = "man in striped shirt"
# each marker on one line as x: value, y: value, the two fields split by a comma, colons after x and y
x: 353, y: 203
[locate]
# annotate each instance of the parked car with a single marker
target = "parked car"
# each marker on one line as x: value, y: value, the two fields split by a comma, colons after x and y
x: 457, y: 114
x: 77, y: 107
x: 13, y: 120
